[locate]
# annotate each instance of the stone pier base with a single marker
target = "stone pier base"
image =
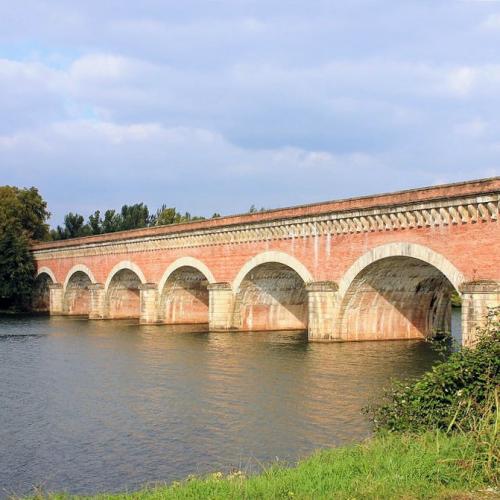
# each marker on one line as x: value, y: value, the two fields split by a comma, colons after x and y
x: 97, y: 301
x: 322, y: 310
x: 149, y: 303
x: 221, y: 302
x: 478, y: 298
x: 56, y: 294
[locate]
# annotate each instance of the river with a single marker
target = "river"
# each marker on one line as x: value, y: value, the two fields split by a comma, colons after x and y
x: 94, y: 406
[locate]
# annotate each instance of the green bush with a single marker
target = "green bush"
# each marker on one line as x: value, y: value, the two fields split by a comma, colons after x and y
x: 455, y: 394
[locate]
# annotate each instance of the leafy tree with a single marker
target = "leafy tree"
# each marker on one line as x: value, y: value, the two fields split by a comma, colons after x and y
x: 75, y: 225
x: 253, y: 209
x: 216, y: 215
x: 58, y: 233
x: 135, y: 216
x: 23, y: 215
x: 130, y: 217
x: 17, y: 269
x: 112, y: 222
x: 25, y: 208
x: 95, y: 222
x: 166, y: 215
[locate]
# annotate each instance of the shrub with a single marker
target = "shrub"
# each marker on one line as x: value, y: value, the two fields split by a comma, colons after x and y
x: 455, y: 394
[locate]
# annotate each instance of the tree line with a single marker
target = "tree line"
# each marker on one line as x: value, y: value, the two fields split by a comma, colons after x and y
x: 129, y: 217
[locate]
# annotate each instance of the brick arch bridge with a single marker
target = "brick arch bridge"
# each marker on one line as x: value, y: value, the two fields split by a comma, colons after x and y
x: 376, y: 267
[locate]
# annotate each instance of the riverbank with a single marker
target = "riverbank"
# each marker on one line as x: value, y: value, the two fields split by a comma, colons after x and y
x: 429, y: 465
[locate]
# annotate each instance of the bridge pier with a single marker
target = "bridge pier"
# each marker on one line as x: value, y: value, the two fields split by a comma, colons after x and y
x: 56, y: 295
x: 149, y: 303
x: 221, y: 301
x: 477, y: 298
x: 97, y: 301
x: 322, y: 311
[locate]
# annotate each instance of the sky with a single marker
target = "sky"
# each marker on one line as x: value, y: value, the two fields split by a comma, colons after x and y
x: 216, y: 105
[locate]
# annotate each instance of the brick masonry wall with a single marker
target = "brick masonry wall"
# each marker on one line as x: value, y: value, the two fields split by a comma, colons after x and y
x: 469, y: 247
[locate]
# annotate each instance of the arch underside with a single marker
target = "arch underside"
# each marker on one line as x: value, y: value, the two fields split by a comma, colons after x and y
x: 272, y: 296
x: 396, y: 298
x: 184, y: 298
x: 123, y: 295
x: 41, y: 293
x: 77, y: 294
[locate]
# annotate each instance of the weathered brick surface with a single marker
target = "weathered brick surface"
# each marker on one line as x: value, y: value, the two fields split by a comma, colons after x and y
x: 457, y: 223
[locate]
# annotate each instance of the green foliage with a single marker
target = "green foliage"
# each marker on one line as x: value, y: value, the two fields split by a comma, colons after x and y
x: 17, y: 269
x: 23, y: 215
x: 169, y: 215
x: 134, y: 216
x: 455, y: 394
x: 74, y: 226
x: 130, y: 217
x: 25, y: 209
x: 253, y: 209
x: 112, y: 222
x: 95, y: 222
x: 166, y: 215
x: 456, y: 300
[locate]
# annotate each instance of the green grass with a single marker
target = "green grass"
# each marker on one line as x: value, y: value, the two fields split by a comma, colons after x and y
x: 429, y: 465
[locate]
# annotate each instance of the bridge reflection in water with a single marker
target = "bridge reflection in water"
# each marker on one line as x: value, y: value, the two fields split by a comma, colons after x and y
x: 112, y: 405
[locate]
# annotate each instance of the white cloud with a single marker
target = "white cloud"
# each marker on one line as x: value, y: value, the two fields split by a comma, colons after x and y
x: 223, y: 104
x: 491, y: 23
x: 472, y: 128
x: 461, y: 80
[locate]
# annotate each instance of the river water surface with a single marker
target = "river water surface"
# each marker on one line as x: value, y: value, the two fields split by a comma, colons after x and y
x: 94, y: 406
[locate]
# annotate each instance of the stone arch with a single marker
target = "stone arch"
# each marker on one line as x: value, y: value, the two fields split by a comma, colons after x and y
x: 270, y: 293
x: 398, y: 290
x: 76, y: 292
x: 78, y: 268
x: 48, y: 271
x: 269, y: 257
x: 183, y: 292
x: 186, y: 262
x: 414, y: 250
x: 125, y: 265
x: 41, y: 291
x: 123, y: 291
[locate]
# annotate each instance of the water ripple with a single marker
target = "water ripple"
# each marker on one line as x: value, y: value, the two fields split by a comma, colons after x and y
x: 111, y: 405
